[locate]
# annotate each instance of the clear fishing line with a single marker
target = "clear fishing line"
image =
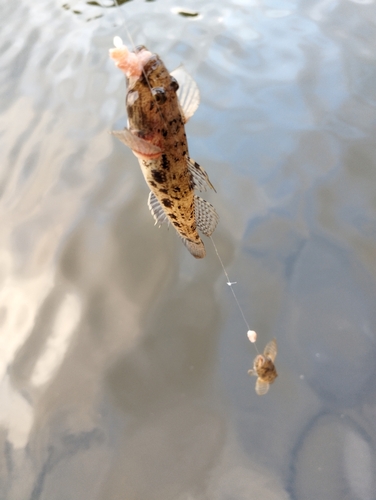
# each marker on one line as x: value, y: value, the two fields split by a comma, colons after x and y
x: 251, y: 334
x: 118, y: 41
x: 125, y: 24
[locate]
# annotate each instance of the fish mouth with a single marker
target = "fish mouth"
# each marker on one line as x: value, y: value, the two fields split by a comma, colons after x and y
x: 131, y: 63
x: 146, y: 65
x: 143, y: 54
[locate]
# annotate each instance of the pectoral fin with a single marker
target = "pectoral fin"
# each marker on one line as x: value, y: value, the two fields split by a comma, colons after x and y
x: 156, y: 210
x: 188, y: 93
x: 141, y: 148
x: 199, y: 176
x: 206, y: 216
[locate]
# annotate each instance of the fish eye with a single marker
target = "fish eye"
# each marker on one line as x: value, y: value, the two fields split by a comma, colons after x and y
x: 174, y: 84
x: 159, y: 94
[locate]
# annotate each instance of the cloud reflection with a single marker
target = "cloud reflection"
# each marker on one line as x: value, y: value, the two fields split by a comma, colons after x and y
x: 20, y: 301
x: 16, y: 414
x: 58, y: 342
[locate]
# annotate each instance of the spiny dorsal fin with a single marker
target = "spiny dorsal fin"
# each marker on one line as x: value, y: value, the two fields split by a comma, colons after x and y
x: 200, y: 177
x: 206, y: 216
x: 156, y: 210
x: 188, y: 93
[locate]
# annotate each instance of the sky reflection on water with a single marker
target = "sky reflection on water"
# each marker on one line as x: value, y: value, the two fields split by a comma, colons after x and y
x: 123, y: 362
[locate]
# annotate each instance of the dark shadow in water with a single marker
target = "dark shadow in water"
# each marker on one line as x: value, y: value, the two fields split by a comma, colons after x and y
x: 330, y: 434
x: 187, y: 13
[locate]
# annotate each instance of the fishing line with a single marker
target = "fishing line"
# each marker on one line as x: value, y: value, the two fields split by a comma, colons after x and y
x: 250, y: 333
x: 117, y: 40
x: 125, y: 23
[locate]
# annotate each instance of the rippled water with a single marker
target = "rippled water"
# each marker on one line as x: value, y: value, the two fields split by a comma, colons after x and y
x: 123, y: 361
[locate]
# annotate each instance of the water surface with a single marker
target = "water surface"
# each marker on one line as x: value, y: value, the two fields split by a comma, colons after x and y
x: 123, y: 361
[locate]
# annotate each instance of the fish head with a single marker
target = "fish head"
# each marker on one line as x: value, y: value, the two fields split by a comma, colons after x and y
x: 142, y: 67
x: 156, y: 77
x: 151, y: 98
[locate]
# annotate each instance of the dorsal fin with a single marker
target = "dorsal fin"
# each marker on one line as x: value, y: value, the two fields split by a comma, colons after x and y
x: 200, y: 177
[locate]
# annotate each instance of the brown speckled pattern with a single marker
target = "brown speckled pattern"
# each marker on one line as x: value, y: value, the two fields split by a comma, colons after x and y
x: 265, y: 369
x: 155, y: 117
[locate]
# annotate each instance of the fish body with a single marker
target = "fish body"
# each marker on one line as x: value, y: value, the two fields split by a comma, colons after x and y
x: 264, y: 369
x: 156, y: 135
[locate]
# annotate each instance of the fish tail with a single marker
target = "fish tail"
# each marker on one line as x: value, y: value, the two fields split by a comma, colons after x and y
x: 197, y: 249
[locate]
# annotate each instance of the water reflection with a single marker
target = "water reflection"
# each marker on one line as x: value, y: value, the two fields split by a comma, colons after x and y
x: 123, y: 363
x: 58, y: 341
x: 16, y: 415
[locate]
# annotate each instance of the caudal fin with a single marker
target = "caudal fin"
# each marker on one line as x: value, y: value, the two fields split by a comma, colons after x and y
x: 196, y: 249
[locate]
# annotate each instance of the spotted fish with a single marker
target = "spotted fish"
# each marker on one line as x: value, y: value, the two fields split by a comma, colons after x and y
x: 158, y: 108
x: 264, y: 369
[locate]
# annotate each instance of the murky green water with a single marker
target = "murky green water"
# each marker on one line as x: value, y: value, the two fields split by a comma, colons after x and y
x: 123, y: 361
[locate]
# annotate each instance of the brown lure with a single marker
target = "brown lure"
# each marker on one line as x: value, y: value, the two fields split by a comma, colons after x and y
x: 264, y: 369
